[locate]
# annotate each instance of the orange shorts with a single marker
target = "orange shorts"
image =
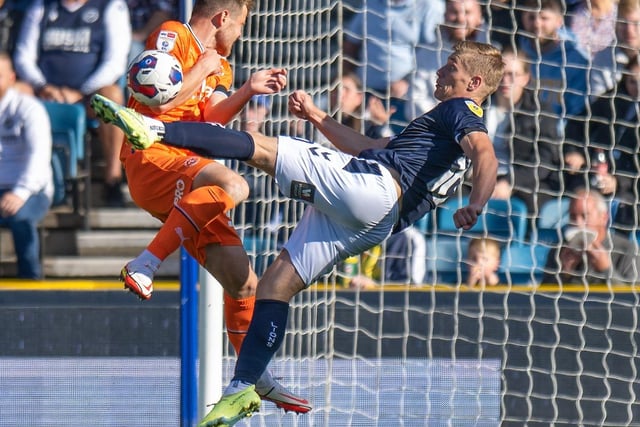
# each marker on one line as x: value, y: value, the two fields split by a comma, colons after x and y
x: 159, y: 176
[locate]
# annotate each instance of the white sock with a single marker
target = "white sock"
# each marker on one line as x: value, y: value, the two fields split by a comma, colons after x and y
x: 235, y: 387
x: 147, y: 259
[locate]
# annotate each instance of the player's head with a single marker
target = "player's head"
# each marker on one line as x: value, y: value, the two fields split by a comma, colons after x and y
x: 227, y: 18
x: 474, y: 70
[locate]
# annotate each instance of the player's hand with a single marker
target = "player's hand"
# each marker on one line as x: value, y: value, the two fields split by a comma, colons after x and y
x: 466, y: 217
x: 301, y: 104
x: 211, y: 61
x: 268, y: 81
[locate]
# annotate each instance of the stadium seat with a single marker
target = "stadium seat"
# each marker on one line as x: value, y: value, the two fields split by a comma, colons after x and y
x: 69, y: 152
x: 446, y: 259
x: 523, y: 263
x: 502, y: 219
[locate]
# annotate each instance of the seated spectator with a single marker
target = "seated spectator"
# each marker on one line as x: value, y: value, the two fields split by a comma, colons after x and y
x: 68, y: 50
x: 558, y: 67
x: 593, y: 24
x: 590, y: 252
x: 380, y: 42
x: 353, y: 109
x: 627, y: 33
x: 525, y: 140
x: 146, y: 15
x: 483, y: 258
x: 461, y: 20
x: 609, y: 133
x: 26, y: 180
x: 402, y: 259
x: 11, y: 14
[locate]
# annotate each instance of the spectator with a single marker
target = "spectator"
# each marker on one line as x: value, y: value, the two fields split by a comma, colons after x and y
x: 590, y: 253
x: 145, y: 16
x: 353, y: 109
x: 68, y: 50
x: 380, y: 44
x: 610, y: 132
x: 525, y: 140
x: 627, y: 32
x: 11, y: 14
x: 400, y: 260
x: 483, y: 257
x: 558, y: 68
x: 462, y: 20
x: 26, y: 180
x: 593, y: 23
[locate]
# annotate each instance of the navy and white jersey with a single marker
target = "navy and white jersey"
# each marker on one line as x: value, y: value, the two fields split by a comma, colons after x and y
x: 428, y: 156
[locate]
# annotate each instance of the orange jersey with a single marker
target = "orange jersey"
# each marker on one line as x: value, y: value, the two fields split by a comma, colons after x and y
x: 177, y: 39
x: 159, y: 176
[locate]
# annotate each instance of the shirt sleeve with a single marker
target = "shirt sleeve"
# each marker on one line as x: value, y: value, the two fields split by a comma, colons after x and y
x: 26, y: 53
x: 36, y: 174
x: 116, y: 48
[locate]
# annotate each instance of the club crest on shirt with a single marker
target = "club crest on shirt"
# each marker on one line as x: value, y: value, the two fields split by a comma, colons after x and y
x: 191, y: 161
x: 166, y: 40
x: 302, y: 191
x: 475, y: 108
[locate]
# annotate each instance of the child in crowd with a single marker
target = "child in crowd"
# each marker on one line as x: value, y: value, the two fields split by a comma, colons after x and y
x: 484, y: 259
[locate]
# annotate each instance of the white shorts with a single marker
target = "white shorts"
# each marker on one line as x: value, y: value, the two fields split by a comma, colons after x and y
x: 352, y: 204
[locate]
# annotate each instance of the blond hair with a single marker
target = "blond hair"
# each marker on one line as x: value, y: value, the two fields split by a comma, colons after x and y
x: 484, y: 244
x: 481, y: 59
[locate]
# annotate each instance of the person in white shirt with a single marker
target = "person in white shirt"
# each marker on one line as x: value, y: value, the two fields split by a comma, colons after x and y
x: 26, y: 179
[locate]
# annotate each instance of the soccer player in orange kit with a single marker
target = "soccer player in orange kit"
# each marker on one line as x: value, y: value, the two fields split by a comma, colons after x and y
x: 191, y: 194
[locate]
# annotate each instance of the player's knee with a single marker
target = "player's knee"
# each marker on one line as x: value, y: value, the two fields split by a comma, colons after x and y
x: 237, y: 188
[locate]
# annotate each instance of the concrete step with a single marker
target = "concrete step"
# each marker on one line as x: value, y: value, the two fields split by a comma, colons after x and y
x: 102, y: 267
x: 112, y: 242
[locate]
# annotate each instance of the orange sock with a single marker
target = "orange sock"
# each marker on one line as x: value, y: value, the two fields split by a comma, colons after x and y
x: 191, y: 214
x: 237, y: 315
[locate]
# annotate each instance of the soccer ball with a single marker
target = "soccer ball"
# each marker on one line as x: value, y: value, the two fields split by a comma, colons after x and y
x: 154, y: 77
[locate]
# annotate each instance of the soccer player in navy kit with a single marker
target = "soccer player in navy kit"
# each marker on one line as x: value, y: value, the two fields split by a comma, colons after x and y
x: 356, y: 197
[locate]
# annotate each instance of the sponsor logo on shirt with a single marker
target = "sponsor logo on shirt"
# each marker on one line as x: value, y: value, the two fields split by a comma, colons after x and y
x: 166, y: 40
x: 475, y: 108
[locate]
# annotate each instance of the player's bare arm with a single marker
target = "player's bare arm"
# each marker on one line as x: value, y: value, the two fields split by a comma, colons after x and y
x: 478, y: 147
x: 208, y: 63
x: 342, y: 137
x: 264, y: 82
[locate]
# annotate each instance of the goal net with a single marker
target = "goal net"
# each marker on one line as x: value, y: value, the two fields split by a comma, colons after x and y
x: 419, y: 346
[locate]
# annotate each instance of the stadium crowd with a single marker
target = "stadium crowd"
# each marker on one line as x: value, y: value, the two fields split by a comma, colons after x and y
x: 564, y: 121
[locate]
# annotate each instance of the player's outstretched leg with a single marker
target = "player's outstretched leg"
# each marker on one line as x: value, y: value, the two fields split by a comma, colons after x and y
x: 141, y: 131
x: 232, y: 408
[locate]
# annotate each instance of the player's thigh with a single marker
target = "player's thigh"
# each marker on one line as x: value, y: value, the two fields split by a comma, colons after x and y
x: 318, y: 242
x: 158, y: 179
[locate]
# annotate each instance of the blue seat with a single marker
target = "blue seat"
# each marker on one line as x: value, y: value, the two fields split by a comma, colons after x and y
x: 523, y: 263
x: 502, y: 219
x: 70, y: 160
x: 68, y: 127
x: 446, y: 258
